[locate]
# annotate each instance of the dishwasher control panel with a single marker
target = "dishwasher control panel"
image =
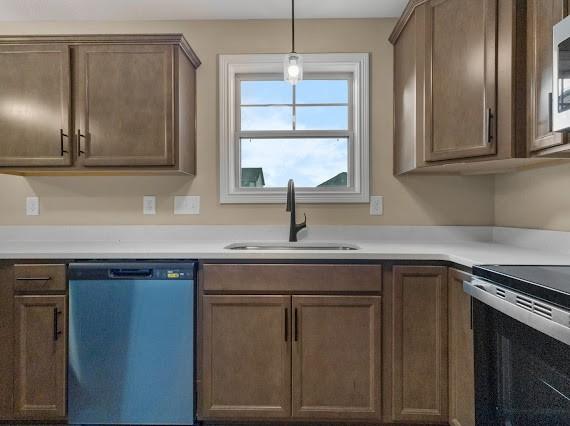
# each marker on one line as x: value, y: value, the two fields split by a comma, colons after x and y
x: 132, y: 271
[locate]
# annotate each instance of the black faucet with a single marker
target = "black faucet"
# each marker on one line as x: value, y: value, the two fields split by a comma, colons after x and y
x: 294, y: 228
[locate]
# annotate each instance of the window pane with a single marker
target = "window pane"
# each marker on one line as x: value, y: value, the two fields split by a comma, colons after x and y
x: 322, y: 118
x: 270, y: 163
x: 322, y: 92
x: 266, y: 92
x: 266, y: 118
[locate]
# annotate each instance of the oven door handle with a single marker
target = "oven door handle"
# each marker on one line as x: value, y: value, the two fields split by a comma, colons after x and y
x: 479, y: 290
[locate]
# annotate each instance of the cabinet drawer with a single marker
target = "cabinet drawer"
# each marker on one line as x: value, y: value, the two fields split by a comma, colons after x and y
x: 275, y: 278
x: 39, y: 278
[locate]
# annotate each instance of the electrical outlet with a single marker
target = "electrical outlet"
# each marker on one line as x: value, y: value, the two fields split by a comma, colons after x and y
x: 376, y: 205
x: 149, y: 205
x: 32, y: 206
x: 187, y: 204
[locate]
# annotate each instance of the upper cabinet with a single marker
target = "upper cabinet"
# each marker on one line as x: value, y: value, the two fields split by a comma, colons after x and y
x: 98, y: 104
x: 35, y: 97
x: 126, y: 120
x: 460, y: 81
x: 460, y: 84
x: 542, y: 16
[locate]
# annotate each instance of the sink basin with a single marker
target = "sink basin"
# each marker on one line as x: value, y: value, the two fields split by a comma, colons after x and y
x: 292, y: 246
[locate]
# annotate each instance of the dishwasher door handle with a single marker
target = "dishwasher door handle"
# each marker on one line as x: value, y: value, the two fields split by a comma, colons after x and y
x: 131, y: 273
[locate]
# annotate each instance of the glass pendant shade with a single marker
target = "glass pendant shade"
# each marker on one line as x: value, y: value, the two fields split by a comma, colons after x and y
x: 293, y: 68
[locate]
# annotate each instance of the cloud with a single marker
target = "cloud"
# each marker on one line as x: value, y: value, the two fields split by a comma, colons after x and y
x: 309, y: 161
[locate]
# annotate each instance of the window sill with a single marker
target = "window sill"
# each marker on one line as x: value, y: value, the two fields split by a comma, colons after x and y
x: 303, y: 197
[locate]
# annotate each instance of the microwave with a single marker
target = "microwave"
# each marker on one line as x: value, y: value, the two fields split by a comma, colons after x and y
x: 560, y: 99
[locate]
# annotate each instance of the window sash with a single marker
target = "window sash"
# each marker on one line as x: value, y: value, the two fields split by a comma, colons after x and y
x: 349, y: 136
x: 307, y: 76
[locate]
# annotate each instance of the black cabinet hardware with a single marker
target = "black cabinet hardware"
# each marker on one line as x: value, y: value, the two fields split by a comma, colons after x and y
x: 296, y: 326
x: 62, y: 135
x: 33, y: 278
x: 56, y: 332
x: 79, y: 136
x: 490, y: 125
x: 286, y: 324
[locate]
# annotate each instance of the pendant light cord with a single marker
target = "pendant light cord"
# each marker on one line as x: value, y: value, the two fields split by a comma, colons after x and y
x: 293, y: 26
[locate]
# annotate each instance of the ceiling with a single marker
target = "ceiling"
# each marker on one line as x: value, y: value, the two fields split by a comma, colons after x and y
x: 94, y: 10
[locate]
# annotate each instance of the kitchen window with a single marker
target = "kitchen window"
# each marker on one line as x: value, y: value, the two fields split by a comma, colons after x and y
x: 315, y: 132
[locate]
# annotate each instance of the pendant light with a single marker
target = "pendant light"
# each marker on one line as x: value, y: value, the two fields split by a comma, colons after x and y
x: 293, y: 63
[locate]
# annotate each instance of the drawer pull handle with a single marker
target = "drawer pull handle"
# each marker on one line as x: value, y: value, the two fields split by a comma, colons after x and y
x: 33, y: 278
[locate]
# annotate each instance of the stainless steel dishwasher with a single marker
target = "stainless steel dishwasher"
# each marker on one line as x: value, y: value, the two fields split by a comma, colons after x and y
x: 131, y: 343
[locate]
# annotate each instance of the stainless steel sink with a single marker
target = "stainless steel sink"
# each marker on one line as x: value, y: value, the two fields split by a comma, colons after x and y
x: 292, y: 246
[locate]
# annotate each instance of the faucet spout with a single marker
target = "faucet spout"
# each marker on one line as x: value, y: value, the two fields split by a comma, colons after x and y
x: 294, y: 227
x: 290, y: 195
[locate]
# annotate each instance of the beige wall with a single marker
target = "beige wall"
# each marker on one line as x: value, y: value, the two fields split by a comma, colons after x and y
x: 537, y: 198
x: 117, y: 200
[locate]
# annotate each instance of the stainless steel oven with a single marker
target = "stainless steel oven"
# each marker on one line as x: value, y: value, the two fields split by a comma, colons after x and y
x: 560, y: 103
x: 522, y: 354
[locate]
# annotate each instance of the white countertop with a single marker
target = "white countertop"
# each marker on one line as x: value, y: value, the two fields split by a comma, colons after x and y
x: 466, y: 246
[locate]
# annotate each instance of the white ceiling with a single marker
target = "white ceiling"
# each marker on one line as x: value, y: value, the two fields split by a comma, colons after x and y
x: 65, y: 10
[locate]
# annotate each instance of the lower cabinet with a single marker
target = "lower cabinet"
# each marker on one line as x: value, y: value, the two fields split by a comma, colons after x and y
x: 461, y: 357
x: 336, y: 357
x: 40, y: 356
x: 417, y: 333
x: 302, y: 357
x: 246, y: 356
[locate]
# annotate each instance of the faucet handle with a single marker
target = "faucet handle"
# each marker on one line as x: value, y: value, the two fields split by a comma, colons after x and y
x: 303, y: 224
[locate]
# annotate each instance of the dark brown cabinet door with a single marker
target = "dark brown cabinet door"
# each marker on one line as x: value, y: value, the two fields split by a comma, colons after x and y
x: 246, y: 357
x: 461, y: 60
x: 419, y: 337
x: 40, y: 376
x: 541, y: 17
x: 124, y: 105
x: 34, y: 105
x: 336, y: 357
x: 461, y: 361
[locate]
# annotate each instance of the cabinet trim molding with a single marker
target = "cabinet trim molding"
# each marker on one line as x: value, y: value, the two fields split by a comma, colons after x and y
x: 406, y: 15
x: 166, y: 39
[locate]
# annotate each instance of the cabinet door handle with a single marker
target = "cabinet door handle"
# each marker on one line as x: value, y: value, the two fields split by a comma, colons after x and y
x: 490, y: 126
x: 61, y: 136
x: 56, y: 332
x: 286, y: 324
x: 296, y: 326
x: 79, y: 136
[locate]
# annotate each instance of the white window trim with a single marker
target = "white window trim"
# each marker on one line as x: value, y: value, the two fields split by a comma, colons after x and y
x: 356, y: 64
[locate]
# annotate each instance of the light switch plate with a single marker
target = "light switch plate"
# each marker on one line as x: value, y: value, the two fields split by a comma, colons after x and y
x: 32, y: 206
x: 376, y: 205
x: 149, y: 205
x: 188, y: 204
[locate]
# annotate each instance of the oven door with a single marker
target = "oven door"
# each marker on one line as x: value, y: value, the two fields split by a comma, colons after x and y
x: 560, y: 106
x: 522, y: 376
